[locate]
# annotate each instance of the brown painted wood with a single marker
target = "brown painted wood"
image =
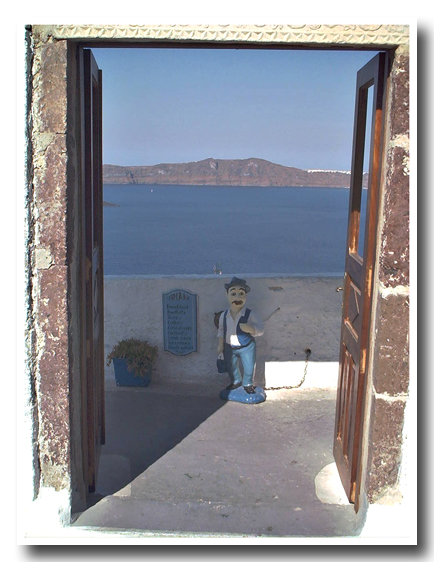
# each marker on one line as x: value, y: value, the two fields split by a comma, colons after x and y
x: 357, y: 295
x: 93, y: 278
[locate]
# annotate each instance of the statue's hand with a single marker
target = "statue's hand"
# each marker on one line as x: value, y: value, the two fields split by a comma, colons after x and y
x: 248, y: 328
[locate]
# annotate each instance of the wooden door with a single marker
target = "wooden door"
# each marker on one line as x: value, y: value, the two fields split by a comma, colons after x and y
x: 359, y: 265
x: 93, y: 277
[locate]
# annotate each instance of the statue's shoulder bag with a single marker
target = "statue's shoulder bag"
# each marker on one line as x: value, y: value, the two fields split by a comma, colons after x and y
x: 221, y: 363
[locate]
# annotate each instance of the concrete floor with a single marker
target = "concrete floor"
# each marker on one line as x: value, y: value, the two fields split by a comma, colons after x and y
x: 182, y: 460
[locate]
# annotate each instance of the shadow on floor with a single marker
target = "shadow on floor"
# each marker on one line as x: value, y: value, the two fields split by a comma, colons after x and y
x: 187, y: 464
x: 143, y: 427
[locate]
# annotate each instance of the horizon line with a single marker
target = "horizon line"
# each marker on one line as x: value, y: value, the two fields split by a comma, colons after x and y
x: 311, y: 170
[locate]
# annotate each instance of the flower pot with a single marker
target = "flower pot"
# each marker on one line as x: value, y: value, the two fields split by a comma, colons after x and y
x: 124, y: 377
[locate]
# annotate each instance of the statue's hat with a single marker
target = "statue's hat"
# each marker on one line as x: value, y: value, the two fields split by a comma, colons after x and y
x: 235, y: 281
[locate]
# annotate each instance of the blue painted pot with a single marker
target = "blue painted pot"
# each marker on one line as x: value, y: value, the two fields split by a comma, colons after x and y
x: 124, y: 377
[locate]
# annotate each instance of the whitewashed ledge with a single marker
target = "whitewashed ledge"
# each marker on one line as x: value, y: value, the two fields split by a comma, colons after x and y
x: 308, y: 317
x: 370, y: 35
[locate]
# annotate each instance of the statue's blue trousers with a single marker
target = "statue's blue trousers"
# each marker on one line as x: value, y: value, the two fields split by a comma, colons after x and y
x: 247, y: 356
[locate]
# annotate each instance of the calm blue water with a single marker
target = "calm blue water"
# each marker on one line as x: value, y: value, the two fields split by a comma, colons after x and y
x: 187, y: 229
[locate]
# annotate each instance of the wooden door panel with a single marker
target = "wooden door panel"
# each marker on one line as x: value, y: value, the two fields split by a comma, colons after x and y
x: 354, y: 315
x: 354, y: 266
x: 357, y: 294
x: 353, y: 309
x: 93, y: 305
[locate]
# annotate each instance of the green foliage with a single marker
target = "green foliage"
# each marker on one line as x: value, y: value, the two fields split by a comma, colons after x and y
x: 139, y: 355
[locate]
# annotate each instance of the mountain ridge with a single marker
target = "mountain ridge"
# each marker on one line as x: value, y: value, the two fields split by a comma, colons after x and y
x: 225, y: 172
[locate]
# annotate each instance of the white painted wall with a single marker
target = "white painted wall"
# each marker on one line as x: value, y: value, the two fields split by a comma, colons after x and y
x: 309, y: 317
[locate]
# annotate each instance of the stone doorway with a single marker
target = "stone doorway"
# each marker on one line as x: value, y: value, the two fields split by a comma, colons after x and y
x: 53, y: 326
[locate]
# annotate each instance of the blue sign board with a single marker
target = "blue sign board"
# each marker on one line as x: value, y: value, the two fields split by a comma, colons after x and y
x: 180, y: 322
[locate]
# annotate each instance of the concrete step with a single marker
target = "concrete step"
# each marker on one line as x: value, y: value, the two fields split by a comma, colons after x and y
x: 317, y: 520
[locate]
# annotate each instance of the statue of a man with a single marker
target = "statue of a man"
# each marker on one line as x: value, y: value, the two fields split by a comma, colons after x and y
x: 238, y: 327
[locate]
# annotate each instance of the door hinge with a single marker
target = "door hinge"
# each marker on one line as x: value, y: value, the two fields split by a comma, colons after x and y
x: 363, y: 360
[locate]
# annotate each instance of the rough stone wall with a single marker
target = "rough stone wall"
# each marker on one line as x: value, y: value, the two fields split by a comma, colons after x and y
x: 47, y: 259
x: 390, y: 383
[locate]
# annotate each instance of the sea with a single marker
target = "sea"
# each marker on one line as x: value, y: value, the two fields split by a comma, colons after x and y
x: 185, y: 230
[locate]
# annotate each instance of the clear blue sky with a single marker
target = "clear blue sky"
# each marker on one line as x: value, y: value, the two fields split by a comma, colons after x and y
x: 294, y: 108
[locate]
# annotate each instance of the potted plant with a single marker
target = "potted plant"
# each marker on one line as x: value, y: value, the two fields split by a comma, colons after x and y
x: 133, y: 360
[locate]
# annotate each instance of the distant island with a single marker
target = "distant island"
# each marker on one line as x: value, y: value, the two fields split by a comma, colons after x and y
x: 247, y: 172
